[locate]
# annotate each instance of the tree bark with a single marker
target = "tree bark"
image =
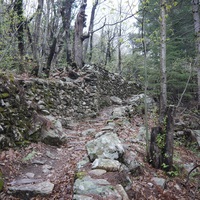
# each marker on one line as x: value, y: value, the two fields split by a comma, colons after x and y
x: 91, y: 27
x: 36, y: 35
x: 119, y: 56
x: 161, y: 143
x: 163, y: 75
x: 66, y: 19
x: 78, y: 35
x: 196, y: 17
x: 18, y: 8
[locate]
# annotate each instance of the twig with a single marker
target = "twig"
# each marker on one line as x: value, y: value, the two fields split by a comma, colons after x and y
x: 188, y: 177
x: 179, y: 102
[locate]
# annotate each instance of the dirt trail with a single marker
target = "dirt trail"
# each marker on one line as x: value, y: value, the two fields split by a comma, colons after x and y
x: 58, y: 165
x: 51, y: 163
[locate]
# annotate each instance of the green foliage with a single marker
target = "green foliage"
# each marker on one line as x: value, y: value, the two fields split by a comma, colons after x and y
x: 160, y: 140
x: 180, y: 48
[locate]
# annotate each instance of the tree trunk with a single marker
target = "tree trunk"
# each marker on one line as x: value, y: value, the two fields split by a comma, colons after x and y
x: 18, y: 8
x: 91, y: 27
x: 66, y: 19
x: 163, y: 76
x: 51, y: 55
x: 196, y: 16
x: 36, y: 35
x: 119, y: 56
x: 78, y: 35
x: 161, y: 143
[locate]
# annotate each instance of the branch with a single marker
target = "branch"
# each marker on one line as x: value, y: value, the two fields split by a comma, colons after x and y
x: 118, y: 22
x: 188, y: 177
x: 179, y: 102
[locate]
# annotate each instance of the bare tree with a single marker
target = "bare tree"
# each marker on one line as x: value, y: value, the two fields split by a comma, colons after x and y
x: 91, y: 28
x: 18, y: 8
x: 163, y: 75
x: 78, y: 35
x: 36, y: 35
x: 119, y: 42
x: 66, y: 11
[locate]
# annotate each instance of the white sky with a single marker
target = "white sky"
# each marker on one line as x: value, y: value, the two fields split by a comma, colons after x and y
x: 108, y: 9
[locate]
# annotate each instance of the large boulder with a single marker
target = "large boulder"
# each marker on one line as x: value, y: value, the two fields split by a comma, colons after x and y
x: 106, y: 146
x: 31, y: 189
x: 48, y: 129
x: 138, y: 101
x: 100, y: 188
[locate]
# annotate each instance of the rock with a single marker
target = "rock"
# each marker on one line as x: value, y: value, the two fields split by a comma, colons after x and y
x: 46, y: 168
x: 129, y: 159
x: 30, y: 175
x: 122, y: 192
x: 137, y: 100
x: 82, y: 197
x: 159, y: 181
x: 4, y: 141
x: 142, y: 133
x: 27, y: 191
x: 88, y: 132
x: 97, y: 172
x: 189, y: 166
x: 38, y: 162
x: 107, y: 128
x: 82, y: 163
x: 119, y: 112
x: 116, y: 100
x: 100, y: 188
x: 106, y: 164
x: 196, y: 134
x: 59, y: 97
x: 53, y: 137
x: 106, y: 146
x: 150, y: 185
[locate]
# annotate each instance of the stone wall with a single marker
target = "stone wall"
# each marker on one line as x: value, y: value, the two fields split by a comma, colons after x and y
x: 21, y: 100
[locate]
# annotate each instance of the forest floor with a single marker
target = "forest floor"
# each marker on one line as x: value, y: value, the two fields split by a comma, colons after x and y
x: 58, y: 165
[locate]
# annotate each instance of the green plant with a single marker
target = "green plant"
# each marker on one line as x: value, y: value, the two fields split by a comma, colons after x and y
x: 164, y: 166
x: 173, y: 173
x: 160, y: 140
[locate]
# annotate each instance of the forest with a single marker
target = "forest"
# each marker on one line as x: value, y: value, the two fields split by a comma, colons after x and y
x: 42, y: 37
x: 66, y: 56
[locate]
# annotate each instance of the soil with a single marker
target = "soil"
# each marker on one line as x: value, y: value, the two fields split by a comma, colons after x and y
x: 60, y: 164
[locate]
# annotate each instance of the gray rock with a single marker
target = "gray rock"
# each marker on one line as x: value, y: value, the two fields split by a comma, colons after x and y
x: 82, y: 163
x: 129, y: 159
x: 119, y: 112
x: 138, y: 99
x: 26, y: 191
x: 122, y: 192
x: 88, y: 132
x: 196, y: 134
x: 188, y: 166
x: 142, y: 133
x: 99, y: 187
x: 159, y: 181
x: 82, y: 197
x: 53, y: 137
x: 106, y: 146
x: 30, y: 175
x: 97, y: 172
x: 116, y: 100
x: 106, y: 164
x: 107, y: 128
x: 46, y: 168
x: 4, y: 141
